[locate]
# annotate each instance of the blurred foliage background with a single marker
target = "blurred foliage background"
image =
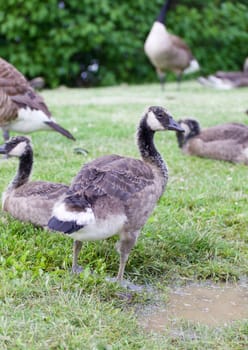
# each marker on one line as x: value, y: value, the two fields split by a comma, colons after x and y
x: 91, y: 42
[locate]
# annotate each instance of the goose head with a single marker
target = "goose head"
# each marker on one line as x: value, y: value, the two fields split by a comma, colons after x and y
x: 17, y: 146
x: 191, y: 129
x: 159, y: 119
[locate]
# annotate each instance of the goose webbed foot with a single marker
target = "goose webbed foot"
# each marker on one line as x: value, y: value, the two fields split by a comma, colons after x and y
x: 125, y: 284
x: 77, y: 269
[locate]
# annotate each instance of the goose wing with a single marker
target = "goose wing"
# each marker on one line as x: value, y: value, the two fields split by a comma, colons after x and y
x: 8, y: 109
x: 178, y: 42
x: 41, y: 189
x: 15, y: 86
x: 11, y: 80
x: 32, y: 100
x: 114, y: 176
x: 228, y: 131
x: 109, y: 178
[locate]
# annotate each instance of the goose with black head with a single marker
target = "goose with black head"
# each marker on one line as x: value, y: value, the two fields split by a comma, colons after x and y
x: 228, y: 142
x: 115, y: 194
x: 25, y: 200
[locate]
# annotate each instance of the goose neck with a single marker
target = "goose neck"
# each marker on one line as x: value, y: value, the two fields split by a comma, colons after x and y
x: 163, y: 11
x: 24, y: 170
x: 148, y: 151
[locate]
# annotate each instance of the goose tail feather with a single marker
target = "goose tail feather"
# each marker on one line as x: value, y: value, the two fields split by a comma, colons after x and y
x: 61, y: 130
x: 67, y: 227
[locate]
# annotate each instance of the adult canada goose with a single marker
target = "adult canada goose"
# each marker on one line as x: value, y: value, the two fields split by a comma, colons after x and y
x: 227, y: 142
x: 227, y: 80
x: 21, y: 108
x: 115, y: 194
x: 29, y: 201
x: 168, y: 52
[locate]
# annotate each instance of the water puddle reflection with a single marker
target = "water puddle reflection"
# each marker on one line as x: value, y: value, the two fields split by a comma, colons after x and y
x: 211, y: 305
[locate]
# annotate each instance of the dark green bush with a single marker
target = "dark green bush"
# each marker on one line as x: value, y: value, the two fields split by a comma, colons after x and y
x: 218, y: 35
x: 60, y: 39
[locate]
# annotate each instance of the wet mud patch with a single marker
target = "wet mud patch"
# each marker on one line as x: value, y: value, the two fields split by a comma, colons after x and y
x: 206, y: 304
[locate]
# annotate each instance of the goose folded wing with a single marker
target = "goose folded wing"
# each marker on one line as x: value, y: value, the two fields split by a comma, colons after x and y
x: 8, y: 110
x: 32, y: 100
x: 11, y: 80
x: 93, y: 183
x: 120, y: 179
x: 180, y: 44
x: 42, y: 189
x: 229, y: 131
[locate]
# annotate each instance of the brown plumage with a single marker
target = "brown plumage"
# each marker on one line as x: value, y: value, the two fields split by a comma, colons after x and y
x: 21, y: 108
x: 168, y: 52
x: 115, y: 194
x: 227, y: 142
x: 227, y: 80
x: 37, y: 83
x: 28, y: 201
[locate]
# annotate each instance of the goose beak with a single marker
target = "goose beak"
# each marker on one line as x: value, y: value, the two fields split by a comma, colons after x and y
x: 173, y: 125
x: 2, y: 149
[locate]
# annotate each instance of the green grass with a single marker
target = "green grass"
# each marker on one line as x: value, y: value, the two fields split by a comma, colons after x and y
x: 198, y: 230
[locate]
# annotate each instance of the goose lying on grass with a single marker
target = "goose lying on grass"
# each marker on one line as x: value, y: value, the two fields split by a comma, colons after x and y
x: 227, y: 141
x: 25, y: 200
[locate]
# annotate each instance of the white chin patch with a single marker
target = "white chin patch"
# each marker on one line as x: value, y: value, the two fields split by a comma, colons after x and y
x: 18, y: 150
x: 153, y: 122
x: 186, y: 129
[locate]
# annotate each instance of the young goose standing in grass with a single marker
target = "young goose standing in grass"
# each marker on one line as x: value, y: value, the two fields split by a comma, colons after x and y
x: 29, y: 201
x: 115, y: 194
x: 227, y: 142
x: 168, y: 52
x: 21, y: 108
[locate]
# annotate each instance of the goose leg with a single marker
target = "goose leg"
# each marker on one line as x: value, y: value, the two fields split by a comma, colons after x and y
x: 162, y: 82
x: 161, y: 76
x: 124, y: 247
x: 6, y: 138
x: 5, y: 134
x: 179, y: 79
x: 77, y: 245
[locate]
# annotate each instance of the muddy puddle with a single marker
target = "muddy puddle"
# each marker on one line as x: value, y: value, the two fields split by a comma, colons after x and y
x: 212, y: 305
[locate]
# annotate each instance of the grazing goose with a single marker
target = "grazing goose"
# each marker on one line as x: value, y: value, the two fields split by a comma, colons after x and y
x: 226, y: 80
x: 227, y: 142
x: 168, y: 52
x: 21, y: 108
x: 29, y: 201
x: 115, y: 194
